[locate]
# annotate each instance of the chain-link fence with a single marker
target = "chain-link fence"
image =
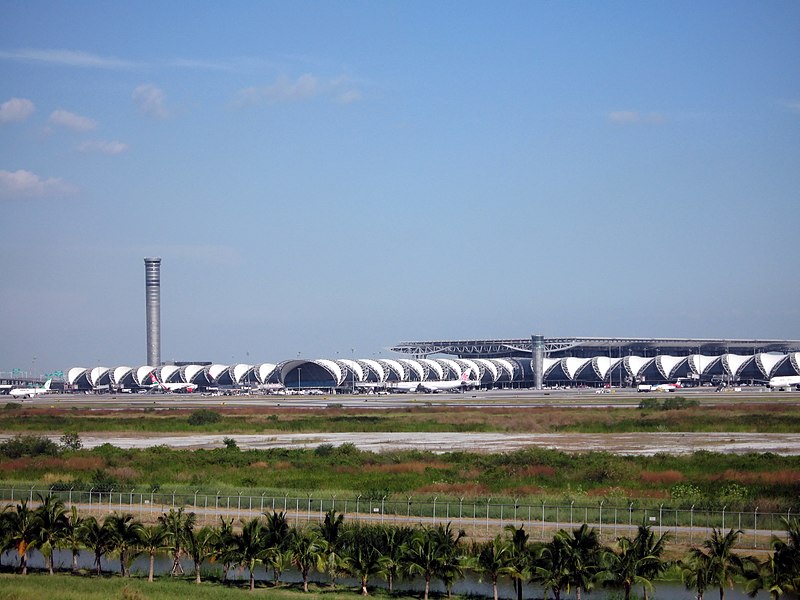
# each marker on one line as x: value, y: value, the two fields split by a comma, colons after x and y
x: 480, y: 519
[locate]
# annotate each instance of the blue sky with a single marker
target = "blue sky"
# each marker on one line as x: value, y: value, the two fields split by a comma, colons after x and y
x: 336, y: 177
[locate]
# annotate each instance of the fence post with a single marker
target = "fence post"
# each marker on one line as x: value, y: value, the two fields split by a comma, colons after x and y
x: 691, y: 525
x: 723, y: 517
x: 434, y: 509
x: 488, y: 500
x: 601, y: 518
x: 755, y: 528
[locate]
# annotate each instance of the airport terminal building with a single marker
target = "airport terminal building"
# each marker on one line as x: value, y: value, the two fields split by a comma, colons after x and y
x: 488, y: 364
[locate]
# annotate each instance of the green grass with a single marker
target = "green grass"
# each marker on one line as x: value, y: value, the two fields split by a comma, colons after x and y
x: 66, y: 587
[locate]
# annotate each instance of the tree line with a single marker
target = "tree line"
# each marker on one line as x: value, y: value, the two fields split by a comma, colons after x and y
x: 572, y: 560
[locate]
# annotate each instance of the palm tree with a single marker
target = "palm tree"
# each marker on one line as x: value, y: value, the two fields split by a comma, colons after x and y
x: 152, y: 539
x: 178, y: 524
x: 779, y: 573
x: 452, y: 561
x: 51, y: 524
x: 362, y: 556
x: 494, y: 561
x: 330, y: 530
x: 550, y: 567
x: 583, y: 551
x: 21, y: 532
x: 421, y: 557
x: 248, y: 546
x: 96, y: 538
x: 520, y: 557
x: 308, y: 551
x: 696, y: 573
x: 201, y: 545
x: 125, y: 536
x: 637, y: 562
x: 393, y: 542
x: 723, y: 564
x: 276, y: 542
x: 224, y: 550
x: 71, y: 536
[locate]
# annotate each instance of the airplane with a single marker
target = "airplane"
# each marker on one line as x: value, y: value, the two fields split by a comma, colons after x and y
x: 785, y: 381
x: 187, y: 388
x: 667, y: 387
x: 445, y: 386
x: 31, y: 392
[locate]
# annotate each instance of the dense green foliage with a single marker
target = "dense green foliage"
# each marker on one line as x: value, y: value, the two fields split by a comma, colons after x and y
x: 703, y: 479
x: 573, y: 559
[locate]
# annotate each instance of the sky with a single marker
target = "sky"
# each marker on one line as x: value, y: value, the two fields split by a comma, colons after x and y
x: 327, y: 179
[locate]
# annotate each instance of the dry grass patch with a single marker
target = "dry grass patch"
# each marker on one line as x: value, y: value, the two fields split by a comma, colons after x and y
x: 537, y: 471
x: 661, y: 477
x: 790, y: 477
x: 407, y: 467
x: 124, y: 474
x: 84, y: 463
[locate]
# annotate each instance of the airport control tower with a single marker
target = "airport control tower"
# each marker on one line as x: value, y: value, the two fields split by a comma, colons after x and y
x: 152, y: 292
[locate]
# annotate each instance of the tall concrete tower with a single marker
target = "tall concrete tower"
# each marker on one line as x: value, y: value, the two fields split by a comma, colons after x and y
x: 537, y: 356
x: 152, y: 294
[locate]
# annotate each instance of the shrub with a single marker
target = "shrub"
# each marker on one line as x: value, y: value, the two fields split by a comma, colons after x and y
x: 71, y: 441
x: 230, y: 443
x: 204, y: 417
x: 13, y: 405
x: 28, y: 445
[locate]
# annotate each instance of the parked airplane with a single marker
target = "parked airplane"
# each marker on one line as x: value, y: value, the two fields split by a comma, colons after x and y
x: 786, y: 381
x: 30, y: 392
x: 187, y: 388
x: 667, y: 387
x: 446, y: 386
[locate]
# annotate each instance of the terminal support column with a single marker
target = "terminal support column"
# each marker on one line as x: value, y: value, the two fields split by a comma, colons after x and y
x: 537, y: 359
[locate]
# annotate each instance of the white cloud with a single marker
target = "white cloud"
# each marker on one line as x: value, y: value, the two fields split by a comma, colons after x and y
x: 24, y: 184
x: 16, y: 109
x: 68, y: 58
x: 103, y: 147
x: 348, y: 97
x: 283, y: 90
x: 151, y: 101
x: 634, y: 117
x: 64, y: 118
x: 793, y: 106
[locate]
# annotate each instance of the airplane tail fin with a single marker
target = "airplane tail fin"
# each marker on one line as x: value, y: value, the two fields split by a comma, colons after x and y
x: 47, y: 384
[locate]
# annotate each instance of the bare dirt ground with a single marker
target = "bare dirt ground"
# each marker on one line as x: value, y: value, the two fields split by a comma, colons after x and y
x: 627, y: 444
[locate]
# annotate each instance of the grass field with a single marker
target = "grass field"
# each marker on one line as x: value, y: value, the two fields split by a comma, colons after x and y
x: 734, y: 417
x: 65, y: 587
x: 703, y: 479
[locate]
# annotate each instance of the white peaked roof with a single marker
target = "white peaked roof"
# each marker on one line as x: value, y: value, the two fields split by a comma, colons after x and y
x: 548, y: 364
x: 375, y: 367
x: 573, y: 365
x: 415, y: 366
x: 354, y: 367
x: 143, y: 373
x: 96, y: 374
x: 394, y: 366
x: 699, y: 363
x: 488, y: 367
x: 192, y: 371
x: 794, y: 358
x: 264, y: 371
x: 455, y: 367
x: 74, y: 373
x: 167, y: 371
x: 602, y: 365
x: 668, y: 364
x: 506, y: 366
x: 474, y: 367
x: 433, y: 366
x: 119, y: 373
x: 767, y: 362
x: 734, y: 363
x: 332, y: 368
x: 240, y: 371
x: 636, y: 364
x: 214, y: 371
